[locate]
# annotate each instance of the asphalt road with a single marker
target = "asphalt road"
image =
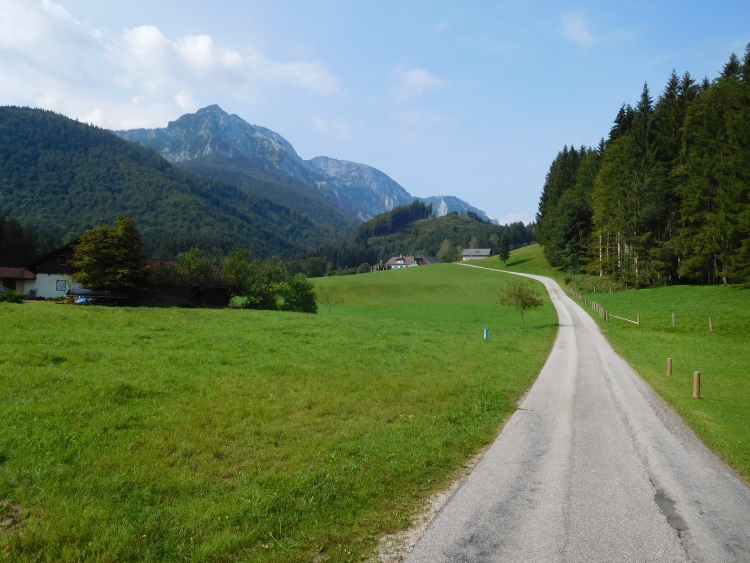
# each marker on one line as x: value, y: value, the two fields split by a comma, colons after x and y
x: 593, y: 466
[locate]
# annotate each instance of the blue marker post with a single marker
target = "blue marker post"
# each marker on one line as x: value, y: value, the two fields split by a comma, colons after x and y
x: 486, y: 333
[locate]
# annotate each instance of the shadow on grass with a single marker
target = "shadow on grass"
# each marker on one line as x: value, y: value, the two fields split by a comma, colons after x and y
x: 518, y: 262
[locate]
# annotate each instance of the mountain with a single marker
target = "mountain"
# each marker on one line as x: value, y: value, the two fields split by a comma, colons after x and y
x: 359, y: 188
x: 224, y: 147
x: 62, y: 176
x: 216, y: 144
x: 444, y: 204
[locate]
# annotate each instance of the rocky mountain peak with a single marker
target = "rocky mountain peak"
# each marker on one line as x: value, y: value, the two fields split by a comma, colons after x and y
x: 358, y: 189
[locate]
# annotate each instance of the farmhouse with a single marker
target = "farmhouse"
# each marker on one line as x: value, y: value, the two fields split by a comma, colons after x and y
x: 409, y: 261
x: 476, y: 253
x: 51, y: 273
x: 18, y: 279
x: 50, y: 276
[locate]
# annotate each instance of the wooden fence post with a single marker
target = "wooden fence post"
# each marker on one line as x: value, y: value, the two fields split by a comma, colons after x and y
x: 697, y: 385
x: 710, y: 324
x: 639, y: 319
x: 672, y: 320
x: 669, y: 366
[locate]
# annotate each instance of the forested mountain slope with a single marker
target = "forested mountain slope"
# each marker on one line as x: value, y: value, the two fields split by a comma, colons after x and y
x: 412, y: 229
x: 61, y: 176
x: 275, y: 186
x: 666, y: 198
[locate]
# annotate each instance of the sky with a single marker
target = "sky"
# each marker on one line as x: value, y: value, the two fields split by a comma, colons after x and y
x: 472, y: 99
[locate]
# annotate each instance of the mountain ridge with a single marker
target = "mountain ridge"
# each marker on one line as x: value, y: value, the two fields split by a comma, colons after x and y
x: 359, y: 190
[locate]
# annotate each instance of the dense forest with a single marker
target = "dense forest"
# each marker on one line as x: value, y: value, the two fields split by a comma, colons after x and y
x: 58, y: 177
x: 18, y: 244
x: 411, y: 229
x: 275, y: 186
x: 666, y: 197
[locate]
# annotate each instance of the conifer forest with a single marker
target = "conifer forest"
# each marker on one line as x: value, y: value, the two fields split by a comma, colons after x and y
x: 665, y: 198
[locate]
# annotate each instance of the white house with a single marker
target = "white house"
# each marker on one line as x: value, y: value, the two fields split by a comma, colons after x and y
x: 52, y: 273
x: 409, y: 261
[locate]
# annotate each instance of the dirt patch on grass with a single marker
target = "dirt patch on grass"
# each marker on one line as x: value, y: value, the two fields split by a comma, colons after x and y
x: 10, y: 515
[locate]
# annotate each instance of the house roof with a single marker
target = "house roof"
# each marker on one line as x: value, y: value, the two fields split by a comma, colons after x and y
x: 16, y: 273
x: 65, y: 249
x: 476, y: 252
x: 406, y: 260
x: 428, y: 259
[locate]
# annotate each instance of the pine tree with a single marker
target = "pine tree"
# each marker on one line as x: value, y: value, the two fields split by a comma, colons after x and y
x: 745, y: 77
x: 504, y: 253
x: 733, y: 68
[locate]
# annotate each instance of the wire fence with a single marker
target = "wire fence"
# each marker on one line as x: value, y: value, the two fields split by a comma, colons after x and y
x: 603, y: 313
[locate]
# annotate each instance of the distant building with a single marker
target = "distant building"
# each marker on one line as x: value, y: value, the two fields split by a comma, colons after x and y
x: 409, y: 261
x: 52, y: 273
x: 476, y: 253
x: 18, y: 279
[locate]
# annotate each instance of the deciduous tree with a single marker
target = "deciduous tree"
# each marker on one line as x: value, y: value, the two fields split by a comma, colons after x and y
x: 111, y: 258
x: 523, y: 297
x: 329, y: 294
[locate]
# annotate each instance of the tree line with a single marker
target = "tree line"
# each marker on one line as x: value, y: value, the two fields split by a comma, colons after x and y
x: 112, y: 258
x: 666, y: 197
x: 20, y: 244
x: 412, y: 230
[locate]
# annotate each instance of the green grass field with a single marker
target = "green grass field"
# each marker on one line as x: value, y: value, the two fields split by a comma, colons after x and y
x: 722, y: 417
x: 229, y: 435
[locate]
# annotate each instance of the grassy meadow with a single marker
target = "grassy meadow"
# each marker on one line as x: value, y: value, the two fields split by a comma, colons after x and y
x: 722, y: 417
x: 134, y: 434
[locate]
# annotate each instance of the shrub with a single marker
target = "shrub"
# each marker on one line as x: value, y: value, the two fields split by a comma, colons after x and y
x: 299, y: 295
x: 11, y: 296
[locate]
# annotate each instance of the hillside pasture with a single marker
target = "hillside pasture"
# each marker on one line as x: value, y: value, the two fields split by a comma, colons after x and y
x: 135, y: 434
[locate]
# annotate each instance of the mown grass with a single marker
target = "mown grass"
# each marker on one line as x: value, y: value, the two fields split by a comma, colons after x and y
x: 722, y: 416
x: 231, y: 435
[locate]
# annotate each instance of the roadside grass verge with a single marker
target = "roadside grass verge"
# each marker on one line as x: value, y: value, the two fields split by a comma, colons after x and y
x: 231, y: 435
x: 721, y: 418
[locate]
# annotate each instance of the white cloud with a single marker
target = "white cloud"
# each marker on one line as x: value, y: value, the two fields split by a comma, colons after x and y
x: 339, y: 128
x: 96, y: 117
x: 185, y: 100
x: 155, y: 62
x: 576, y: 29
x: 515, y: 218
x: 49, y: 59
x: 412, y: 82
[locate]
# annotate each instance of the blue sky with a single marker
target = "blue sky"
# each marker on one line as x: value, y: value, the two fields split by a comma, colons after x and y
x: 471, y: 99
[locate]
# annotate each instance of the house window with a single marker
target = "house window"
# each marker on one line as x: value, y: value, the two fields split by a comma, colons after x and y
x: 60, y: 285
x: 62, y: 260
